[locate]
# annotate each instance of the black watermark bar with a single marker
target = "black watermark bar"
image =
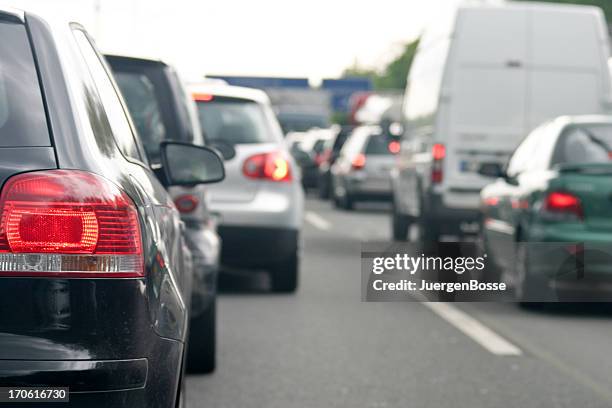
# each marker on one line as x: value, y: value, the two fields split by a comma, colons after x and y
x: 464, y: 272
x: 34, y: 394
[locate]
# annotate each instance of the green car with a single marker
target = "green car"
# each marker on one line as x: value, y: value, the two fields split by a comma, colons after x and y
x: 547, y: 219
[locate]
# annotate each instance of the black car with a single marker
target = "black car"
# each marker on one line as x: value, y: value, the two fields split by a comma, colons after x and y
x: 94, y: 288
x: 162, y: 110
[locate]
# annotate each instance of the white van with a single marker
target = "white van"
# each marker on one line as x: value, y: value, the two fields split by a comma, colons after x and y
x: 482, y: 78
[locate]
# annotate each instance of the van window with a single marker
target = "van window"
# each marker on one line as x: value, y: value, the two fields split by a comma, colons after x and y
x: 23, y: 121
x: 425, y: 81
x: 234, y: 121
x: 113, y: 107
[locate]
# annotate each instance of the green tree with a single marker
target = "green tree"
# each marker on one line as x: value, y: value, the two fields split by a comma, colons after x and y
x: 605, y: 5
x: 393, y: 76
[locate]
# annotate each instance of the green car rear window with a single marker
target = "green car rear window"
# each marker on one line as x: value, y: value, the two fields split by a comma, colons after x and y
x: 23, y: 121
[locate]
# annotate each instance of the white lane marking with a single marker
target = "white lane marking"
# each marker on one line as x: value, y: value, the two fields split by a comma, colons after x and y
x: 475, y: 330
x: 317, y: 221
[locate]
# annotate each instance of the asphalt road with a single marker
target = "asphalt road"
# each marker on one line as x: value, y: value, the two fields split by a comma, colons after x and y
x: 323, y: 347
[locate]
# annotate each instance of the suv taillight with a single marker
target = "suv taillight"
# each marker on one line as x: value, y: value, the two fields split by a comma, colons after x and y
x: 560, y: 203
x: 68, y: 223
x: 267, y: 166
x: 438, y: 152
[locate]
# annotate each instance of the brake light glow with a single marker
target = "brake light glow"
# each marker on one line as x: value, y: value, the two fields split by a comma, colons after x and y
x: 68, y: 223
x: 358, y: 162
x: 267, y: 166
x: 563, y: 203
x: 199, y: 97
x: 186, y: 203
x: 438, y: 152
x: 394, y: 147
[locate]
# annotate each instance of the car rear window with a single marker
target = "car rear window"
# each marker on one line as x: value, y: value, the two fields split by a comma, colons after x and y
x: 234, y: 121
x: 139, y: 94
x: 23, y: 121
x: 585, y: 144
x: 378, y: 145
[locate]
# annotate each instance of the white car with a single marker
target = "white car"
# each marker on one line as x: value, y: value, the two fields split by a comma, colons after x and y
x: 261, y: 201
x: 470, y: 97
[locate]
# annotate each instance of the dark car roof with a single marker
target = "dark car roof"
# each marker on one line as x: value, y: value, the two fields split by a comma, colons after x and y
x: 135, y: 61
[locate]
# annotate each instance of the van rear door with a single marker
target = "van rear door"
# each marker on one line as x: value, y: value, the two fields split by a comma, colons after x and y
x: 486, y: 87
x: 568, y: 64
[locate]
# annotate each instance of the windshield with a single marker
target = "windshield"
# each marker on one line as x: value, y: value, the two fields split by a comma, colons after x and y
x: 234, y: 121
x: 585, y: 144
x: 378, y: 145
x: 301, y: 122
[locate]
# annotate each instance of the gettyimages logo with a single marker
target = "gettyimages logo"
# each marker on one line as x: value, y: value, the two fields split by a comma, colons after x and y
x: 411, y: 264
x: 546, y: 272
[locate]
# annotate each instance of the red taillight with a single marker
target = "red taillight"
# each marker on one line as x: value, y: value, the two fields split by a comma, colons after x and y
x: 394, y: 147
x: 438, y: 152
x: 186, y: 203
x: 359, y: 162
x: 199, y: 97
x: 267, y: 166
x: 68, y: 223
x: 563, y: 203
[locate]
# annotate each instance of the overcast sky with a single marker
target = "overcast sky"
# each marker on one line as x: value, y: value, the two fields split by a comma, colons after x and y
x: 312, y: 38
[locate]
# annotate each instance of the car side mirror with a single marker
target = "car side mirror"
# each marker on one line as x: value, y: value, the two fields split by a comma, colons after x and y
x: 185, y: 164
x: 493, y: 170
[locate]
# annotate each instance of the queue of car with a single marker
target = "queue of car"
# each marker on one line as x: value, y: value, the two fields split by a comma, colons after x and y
x: 111, y: 245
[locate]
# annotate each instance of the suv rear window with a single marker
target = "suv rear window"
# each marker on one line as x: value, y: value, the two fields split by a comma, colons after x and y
x: 23, y: 121
x: 234, y: 121
x: 378, y: 145
x: 139, y: 94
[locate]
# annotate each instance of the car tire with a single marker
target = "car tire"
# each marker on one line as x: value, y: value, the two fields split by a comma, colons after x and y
x: 347, y: 202
x: 201, y: 354
x: 526, y: 287
x: 400, y: 224
x: 284, y: 275
x: 429, y: 234
x: 323, y: 188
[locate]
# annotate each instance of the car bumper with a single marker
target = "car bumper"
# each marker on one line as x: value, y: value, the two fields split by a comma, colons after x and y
x: 450, y: 220
x: 252, y: 247
x: 205, y: 246
x: 103, y: 383
x: 277, y: 206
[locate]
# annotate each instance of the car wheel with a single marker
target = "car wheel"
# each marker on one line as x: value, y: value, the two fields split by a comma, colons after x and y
x: 526, y: 286
x: 323, y: 188
x: 400, y: 224
x: 284, y: 275
x: 429, y: 235
x: 347, y: 202
x: 201, y: 354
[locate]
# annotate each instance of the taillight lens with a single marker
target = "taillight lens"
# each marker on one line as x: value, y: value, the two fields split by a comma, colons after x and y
x: 267, y: 166
x: 68, y: 223
x: 358, y: 162
x: 394, y: 147
x: 438, y: 152
x: 563, y: 204
x: 186, y: 203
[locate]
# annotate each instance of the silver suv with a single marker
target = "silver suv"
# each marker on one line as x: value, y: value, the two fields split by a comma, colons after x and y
x: 261, y: 201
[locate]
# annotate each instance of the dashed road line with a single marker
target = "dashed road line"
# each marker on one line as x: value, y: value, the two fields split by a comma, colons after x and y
x: 474, y: 329
x: 317, y: 221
